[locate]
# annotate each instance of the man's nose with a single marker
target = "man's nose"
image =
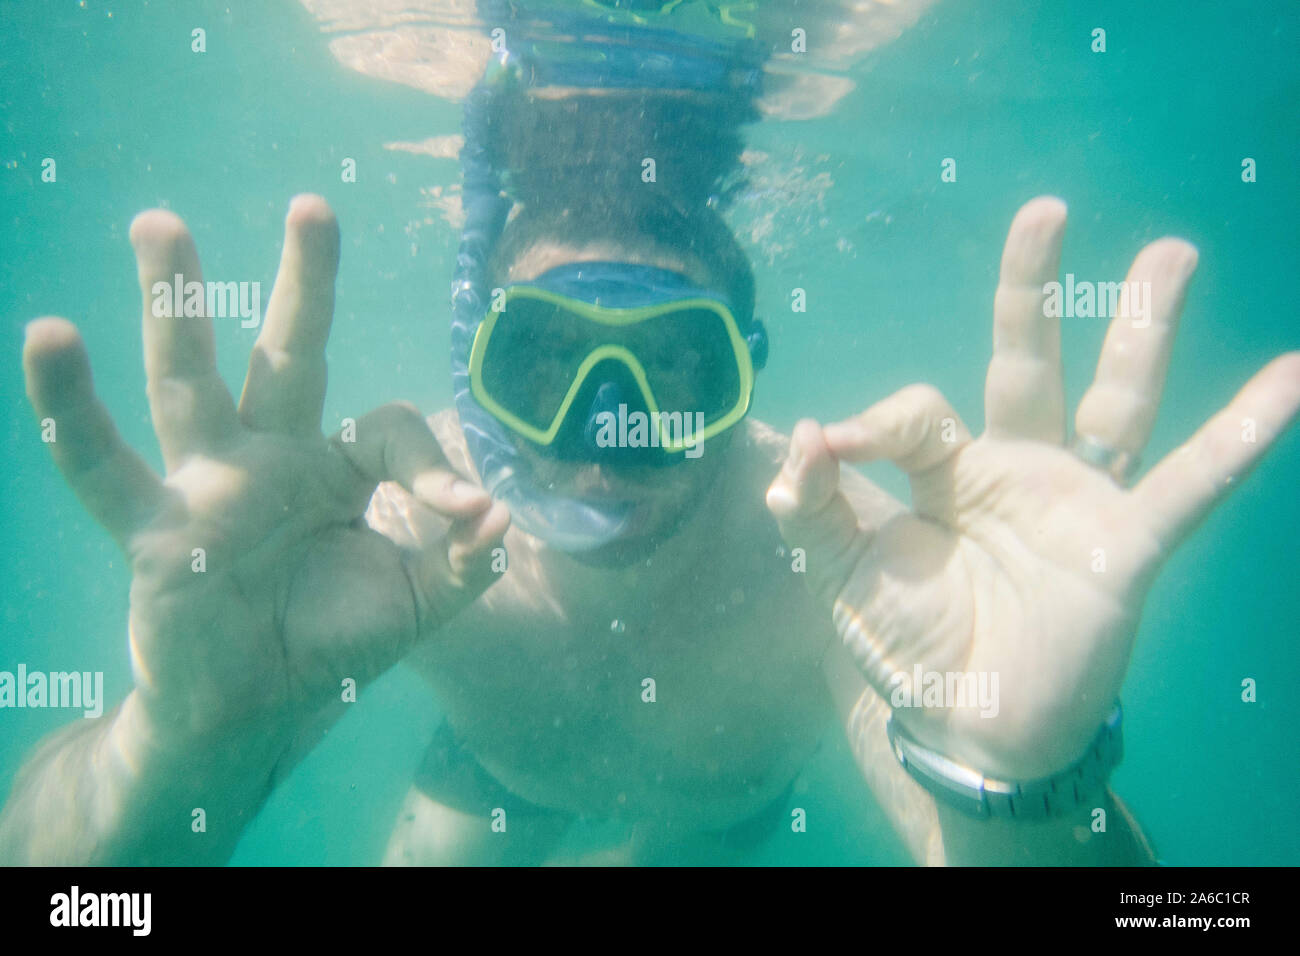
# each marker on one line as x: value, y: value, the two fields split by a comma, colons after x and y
x: 607, y: 399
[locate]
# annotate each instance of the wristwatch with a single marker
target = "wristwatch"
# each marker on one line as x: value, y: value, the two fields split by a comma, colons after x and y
x: 968, y: 790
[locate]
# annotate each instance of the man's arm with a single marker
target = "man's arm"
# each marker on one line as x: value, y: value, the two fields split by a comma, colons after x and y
x: 294, y: 593
x: 118, y: 791
x: 1026, y: 555
x: 937, y: 834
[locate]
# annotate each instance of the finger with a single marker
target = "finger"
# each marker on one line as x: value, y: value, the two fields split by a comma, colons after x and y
x: 1175, y: 495
x: 115, y: 485
x: 285, y: 387
x: 395, y: 443
x: 915, y: 428
x: 192, y: 411
x: 1119, y: 409
x: 1023, y: 394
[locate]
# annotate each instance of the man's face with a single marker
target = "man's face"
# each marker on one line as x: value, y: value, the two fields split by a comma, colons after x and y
x: 663, y: 497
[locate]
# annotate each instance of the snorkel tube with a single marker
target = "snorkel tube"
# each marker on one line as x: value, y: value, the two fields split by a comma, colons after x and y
x: 562, y: 521
x: 565, y: 523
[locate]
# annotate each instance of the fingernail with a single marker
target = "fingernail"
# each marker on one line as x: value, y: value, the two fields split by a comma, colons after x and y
x: 781, y: 500
x: 465, y: 491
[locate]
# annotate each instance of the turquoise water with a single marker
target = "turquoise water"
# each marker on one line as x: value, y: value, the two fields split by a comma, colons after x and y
x: 1142, y: 141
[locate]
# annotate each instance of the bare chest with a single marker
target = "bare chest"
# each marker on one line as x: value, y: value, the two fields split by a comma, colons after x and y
x: 702, y: 697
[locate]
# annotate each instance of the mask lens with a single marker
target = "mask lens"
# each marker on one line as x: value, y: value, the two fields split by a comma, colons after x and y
x: 689, y: 362
x: 532, y: 358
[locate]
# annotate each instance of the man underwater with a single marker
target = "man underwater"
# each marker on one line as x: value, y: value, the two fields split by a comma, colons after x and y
x: 334, y: 559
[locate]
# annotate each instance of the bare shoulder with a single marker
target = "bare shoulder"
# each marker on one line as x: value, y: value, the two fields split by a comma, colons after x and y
x: 765, y: 443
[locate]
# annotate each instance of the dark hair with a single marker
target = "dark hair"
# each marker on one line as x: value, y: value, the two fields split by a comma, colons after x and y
x: 696, y: 234
x: 596, y: 143
x: 574, y: 169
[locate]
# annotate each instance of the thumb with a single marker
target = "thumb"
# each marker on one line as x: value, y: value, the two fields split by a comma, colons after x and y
x: 395, y: 443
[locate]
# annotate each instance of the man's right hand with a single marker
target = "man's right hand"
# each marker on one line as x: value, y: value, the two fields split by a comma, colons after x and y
x: 296, y: 592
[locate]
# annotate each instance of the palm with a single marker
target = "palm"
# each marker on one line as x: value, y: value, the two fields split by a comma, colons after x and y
x: 1019, y: 559
x: 1015, y: 551
x: 320, y: 598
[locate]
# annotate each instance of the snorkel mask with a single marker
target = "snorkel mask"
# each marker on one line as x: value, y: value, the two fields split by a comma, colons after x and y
x: 568, y: 360
x: 548, y: 362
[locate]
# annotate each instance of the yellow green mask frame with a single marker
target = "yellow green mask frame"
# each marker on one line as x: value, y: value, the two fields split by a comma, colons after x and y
x: 616, y: 317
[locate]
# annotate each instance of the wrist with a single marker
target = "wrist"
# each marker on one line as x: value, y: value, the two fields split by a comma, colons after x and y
x: 150, y: 745
x: 982, y: 794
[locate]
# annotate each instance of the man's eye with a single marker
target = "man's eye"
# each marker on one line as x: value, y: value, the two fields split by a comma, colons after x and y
x: 559, y: 341
x: 682, y: 360
x: 666, y: 354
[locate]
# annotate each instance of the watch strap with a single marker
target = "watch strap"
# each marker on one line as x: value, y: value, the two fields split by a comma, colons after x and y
x: 977, y: 795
